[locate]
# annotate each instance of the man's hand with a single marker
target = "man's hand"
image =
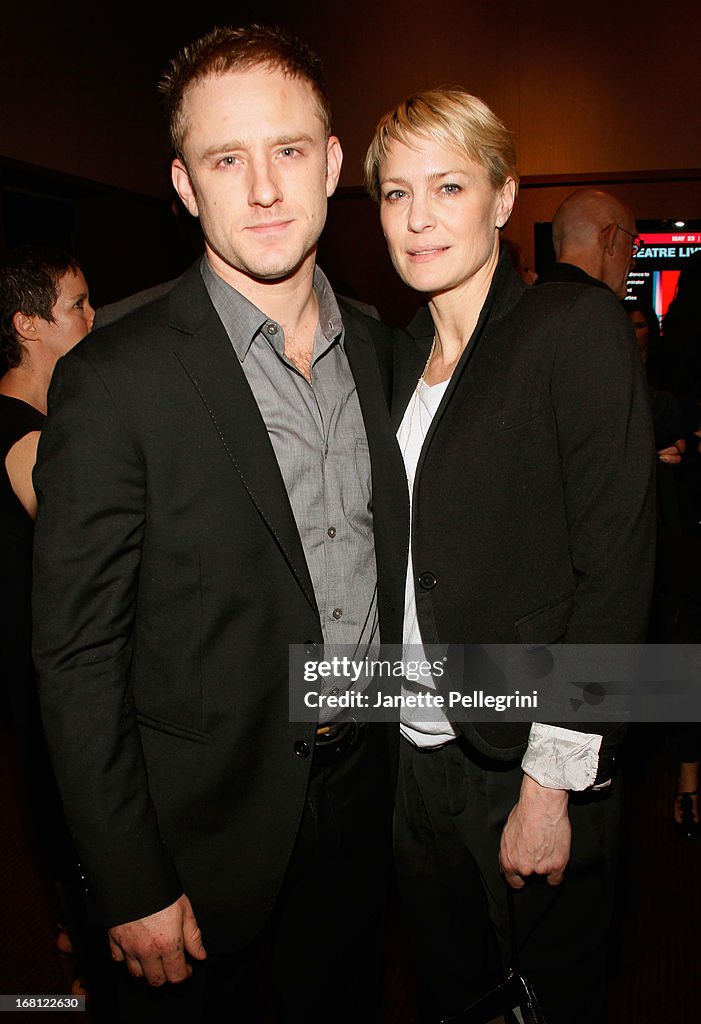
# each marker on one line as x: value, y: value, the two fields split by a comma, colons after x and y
x: 536, y: 837
x: 154, y: 947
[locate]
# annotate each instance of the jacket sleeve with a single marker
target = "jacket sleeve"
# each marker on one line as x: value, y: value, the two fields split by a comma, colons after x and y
x: 91, y: 485
x: 605, y: 437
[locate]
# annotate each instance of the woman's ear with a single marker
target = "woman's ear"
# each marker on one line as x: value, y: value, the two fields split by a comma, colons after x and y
x: 26, y: 326
x: 505, y: 202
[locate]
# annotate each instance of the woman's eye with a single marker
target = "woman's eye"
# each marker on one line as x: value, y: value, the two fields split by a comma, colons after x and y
x: 450, y: 188
x: 394, y: 195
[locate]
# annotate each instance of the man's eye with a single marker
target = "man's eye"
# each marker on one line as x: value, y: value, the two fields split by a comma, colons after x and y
x: 289, y: 151
x: 228, y: 161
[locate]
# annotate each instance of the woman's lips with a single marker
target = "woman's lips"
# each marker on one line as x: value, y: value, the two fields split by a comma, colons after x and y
x: 427, y: 253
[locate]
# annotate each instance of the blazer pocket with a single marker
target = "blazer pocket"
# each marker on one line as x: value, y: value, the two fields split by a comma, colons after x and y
x: 507, y: 418
x: 171, y: 728
x: 547, y: 625
x: 173, y: 755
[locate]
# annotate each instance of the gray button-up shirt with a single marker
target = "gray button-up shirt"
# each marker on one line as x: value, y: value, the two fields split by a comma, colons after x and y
x: 318, y: 437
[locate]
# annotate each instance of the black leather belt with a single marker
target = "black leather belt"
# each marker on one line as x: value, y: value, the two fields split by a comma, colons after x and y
x: 334, y: 739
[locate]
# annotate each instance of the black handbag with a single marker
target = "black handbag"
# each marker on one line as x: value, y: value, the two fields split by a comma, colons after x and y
x: 511, y: 1002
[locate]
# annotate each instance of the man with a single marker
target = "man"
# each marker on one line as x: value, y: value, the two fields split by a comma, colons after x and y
x: 211, y: 476
x: 594, y: 238
x: 595, y: 241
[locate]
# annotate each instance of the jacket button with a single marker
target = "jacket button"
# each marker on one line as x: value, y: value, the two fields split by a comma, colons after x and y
x: 301, y: 748
x: 427, y: 581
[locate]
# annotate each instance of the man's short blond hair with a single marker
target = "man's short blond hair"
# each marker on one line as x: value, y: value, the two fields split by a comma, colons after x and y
x: 452, y: 118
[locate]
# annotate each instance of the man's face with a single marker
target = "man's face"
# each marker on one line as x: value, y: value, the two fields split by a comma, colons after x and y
x: 257, y: 170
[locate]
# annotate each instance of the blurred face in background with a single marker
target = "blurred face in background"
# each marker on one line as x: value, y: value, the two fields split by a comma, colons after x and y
x: 642, y: 331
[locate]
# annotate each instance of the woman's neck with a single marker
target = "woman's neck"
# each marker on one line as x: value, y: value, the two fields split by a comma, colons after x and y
x: 30, y: 386
x: 455, y: 314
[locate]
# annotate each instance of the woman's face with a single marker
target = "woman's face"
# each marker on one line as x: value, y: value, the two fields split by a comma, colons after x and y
x: 440, y: 215
x: 72, y: 315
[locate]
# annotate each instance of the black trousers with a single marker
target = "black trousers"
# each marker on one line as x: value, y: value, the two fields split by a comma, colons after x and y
x: 451, y: 809
x: 320, y: 956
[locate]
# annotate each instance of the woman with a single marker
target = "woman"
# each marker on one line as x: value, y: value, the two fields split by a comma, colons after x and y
x: 44, y: 311
x: 526, y: 435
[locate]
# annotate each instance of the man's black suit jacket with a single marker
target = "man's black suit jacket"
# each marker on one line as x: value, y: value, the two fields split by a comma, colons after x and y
x: 169, y: 581
x: 533, y: 506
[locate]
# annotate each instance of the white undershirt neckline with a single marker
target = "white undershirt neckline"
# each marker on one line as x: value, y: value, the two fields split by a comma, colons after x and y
x: 411, y: 436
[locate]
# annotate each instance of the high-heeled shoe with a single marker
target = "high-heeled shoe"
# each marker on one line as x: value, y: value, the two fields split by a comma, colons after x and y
x: 689, y: 825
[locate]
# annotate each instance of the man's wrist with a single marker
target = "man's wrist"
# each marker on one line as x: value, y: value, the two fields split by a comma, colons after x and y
x: 533, y: 794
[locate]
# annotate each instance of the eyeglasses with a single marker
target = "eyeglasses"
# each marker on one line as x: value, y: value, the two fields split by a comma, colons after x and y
x: 638, y: 242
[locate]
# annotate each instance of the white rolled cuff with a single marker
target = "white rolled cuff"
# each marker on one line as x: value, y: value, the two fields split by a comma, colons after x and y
x: 562, y: 758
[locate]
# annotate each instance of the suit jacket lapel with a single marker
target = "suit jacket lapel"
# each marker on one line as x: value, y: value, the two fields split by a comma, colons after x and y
x: 206, y: 354
x: 389, y: 489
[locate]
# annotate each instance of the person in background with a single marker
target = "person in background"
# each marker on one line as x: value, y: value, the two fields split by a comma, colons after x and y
x: 524, y: 424
x: 236, y: 488
x: 595, y: 240
x: 678, y: 365
x: 518, y: 261
x: 44, y: 311
x: 646, y: 325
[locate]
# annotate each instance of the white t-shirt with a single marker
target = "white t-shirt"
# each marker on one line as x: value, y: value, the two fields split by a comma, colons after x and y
x: 429, y: 727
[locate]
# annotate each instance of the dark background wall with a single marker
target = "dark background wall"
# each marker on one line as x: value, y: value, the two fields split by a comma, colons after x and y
x: 606, y: 92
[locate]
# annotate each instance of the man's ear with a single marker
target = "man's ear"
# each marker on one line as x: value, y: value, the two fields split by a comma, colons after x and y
x: 26, y: 326
x: 183, y: 186
x: 609, y: 236
x: 506, y: 200
x: 334, y: 160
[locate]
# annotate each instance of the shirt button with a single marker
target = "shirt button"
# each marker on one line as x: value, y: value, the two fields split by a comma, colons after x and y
x: 271, y: 328
x: 337, y: 613
x: 301, y: 748
x: 331, y: 532
x: 427, y: 581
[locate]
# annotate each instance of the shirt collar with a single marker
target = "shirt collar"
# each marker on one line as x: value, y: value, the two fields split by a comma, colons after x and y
x: 243, y: 320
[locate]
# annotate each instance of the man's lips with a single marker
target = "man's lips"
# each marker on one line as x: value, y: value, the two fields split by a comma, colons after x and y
x: 269, y: 227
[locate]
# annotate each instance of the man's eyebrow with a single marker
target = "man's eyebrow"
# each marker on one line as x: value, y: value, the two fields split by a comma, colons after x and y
x: 273, y: 140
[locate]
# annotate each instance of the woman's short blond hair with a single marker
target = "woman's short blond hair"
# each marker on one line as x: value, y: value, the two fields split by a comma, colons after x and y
x: 452, y: 118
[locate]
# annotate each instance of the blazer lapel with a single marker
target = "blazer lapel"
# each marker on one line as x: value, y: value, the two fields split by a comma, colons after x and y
x: 415, y: 345
x: 206, y: 354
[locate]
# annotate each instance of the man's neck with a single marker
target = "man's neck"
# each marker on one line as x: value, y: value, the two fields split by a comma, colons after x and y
x: 290, y: 301
x: 590, y: 263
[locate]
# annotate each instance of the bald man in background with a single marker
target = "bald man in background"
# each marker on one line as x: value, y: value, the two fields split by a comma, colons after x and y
x: 594, y: 237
